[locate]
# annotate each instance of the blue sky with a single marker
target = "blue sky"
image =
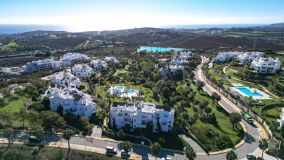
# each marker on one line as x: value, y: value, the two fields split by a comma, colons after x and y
x: 82, y: 15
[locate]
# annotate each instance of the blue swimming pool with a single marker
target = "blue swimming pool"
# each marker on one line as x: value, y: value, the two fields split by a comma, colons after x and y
x: 158, y: 49
x: 120, y: 88
x: 130, y: 91
x: 248, y: 92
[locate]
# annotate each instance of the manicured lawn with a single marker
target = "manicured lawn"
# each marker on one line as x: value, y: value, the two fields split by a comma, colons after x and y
x: 13, y: 105
x: 148, y: 94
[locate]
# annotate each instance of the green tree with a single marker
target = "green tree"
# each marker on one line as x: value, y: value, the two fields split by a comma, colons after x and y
x: 7, y: 117
x: 235, y: 118
x: 22, y: 116
x: 189, y: 153
x: 67, y: 134
x: 231, y: 156
x: 51, y: 120
x: 34, y: 118
x: 207, y: 110
x: 38, y: 131
x: 216, y: 97
x: 126, y: 146
x: 8, y: 133
x: 263, y: 145
x: 155, y: 149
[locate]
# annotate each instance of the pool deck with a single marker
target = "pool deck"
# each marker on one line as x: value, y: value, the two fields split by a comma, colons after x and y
x: 262, y: 97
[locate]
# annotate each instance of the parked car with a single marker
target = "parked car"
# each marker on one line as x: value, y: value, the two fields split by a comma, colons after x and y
x: 247, y: 118
x: 251, y: 157
x: 124, y: 155
x: 33, y: 139
x: 111, y: 151
x: 166, y: 158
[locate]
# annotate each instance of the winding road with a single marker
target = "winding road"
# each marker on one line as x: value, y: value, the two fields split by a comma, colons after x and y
x: 99, y: 144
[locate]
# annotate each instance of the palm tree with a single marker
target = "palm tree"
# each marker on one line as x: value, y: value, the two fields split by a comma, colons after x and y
x: 231, y: 156
x: 189, y: 153
x: 155, y: 149
x: 67, y: 134
x: 263, y: 145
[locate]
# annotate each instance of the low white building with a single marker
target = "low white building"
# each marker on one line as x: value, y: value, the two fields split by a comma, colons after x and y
x: 71, y: 100
x: 65, y: 80
x: 111, y: 59
x: 266, y: 65
x: 42, y: 65
x: 225, y: 56
x: 99, y: 65
x: 70, y: 59
x: 281, y: 120
x: 248, y: 57
x: 139, y: 114
x: 83, y: 70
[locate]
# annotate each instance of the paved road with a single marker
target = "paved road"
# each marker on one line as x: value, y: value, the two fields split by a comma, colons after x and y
x: 253, y: 131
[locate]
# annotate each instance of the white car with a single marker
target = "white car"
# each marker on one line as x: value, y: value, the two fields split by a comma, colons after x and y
x: 166, y: 158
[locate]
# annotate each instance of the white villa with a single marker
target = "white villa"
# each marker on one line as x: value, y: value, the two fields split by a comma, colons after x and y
x: 65, y: 80
x: 139, y: 114
x: 225, y: 56
x: 99, y: 65
x: 65, y: 93
x: 266, y: 65
x: 42, y: 65
x: 248, y: 57
x: 71, y: 100
x: 83, y: 70
x: 111, y: 59
x: 69, y: 59
x: 281, y: 120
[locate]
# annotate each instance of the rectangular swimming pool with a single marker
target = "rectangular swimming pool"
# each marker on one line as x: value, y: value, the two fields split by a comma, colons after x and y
x: 248, y: 92
x: 158, y: 49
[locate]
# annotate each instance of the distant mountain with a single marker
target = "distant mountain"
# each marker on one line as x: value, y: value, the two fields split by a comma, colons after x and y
x: 13, y: 29
x: 276, y: 25
x: 126, y: 32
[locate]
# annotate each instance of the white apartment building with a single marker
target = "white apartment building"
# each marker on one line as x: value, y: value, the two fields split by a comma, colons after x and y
x: 83, y: 70
x: 70, y: 59
x: 99, y: 65
x: 225, y: 56
x: 111, y: 59
x: 185, y: 54
x: 266, y: 65
x: 42, y: 65
x: 71, y: 100
x: 248, y: 57
x: 139, y: 114
x: 281, y: 120
x: 65, y: 80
